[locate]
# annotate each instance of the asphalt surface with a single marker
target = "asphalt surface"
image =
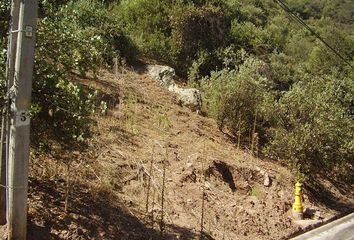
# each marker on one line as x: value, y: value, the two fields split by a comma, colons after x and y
x: 341, y: 229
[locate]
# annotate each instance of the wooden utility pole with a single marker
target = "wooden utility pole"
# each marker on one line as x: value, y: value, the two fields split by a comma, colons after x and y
x: 20, y: 94
x: 11, y: 57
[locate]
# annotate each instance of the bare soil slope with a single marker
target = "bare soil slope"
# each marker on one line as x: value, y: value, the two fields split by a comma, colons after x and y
x: 116, y: 186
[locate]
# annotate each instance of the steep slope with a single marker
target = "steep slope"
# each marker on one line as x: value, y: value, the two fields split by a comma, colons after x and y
x: 116, y: 185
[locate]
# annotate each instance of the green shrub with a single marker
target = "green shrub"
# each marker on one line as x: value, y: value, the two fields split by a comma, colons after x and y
x: 315, y: 125
x: 4, y: 17
x: 72, y: 37
x: 78, y: 36
x: 321, y: 60
x: 282, y: 72
x: 173, y: 32
x: 146, y: 22
x: 196, y: 30
x: 243, y: 33
x: 236, y: 97
x: 205, y: 62
x: 61, y: 49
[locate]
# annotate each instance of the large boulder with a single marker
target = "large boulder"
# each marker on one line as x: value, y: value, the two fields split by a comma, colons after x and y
x: 189, y: 97
x: 163, y: 74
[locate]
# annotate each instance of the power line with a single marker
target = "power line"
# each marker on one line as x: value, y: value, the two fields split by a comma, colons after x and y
x: 302, y: 23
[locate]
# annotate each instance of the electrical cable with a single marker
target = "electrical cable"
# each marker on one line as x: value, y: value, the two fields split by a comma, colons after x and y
x: 6, y: 109
x: 302, y: 23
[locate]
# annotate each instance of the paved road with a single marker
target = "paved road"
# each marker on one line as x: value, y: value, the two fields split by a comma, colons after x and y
x: 341, y: 229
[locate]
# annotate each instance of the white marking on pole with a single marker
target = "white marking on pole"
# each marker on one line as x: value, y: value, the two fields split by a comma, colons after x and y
x: 22, y: 119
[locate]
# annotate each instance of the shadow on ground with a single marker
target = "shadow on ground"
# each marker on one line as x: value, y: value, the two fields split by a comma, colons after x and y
x: 91, y: 216
x: 319, y: 193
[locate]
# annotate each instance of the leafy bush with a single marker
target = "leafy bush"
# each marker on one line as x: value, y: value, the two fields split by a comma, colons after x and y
x: 298, y: 117
x: 4, y: 17
x: 73, y: 37
x: 321, y: 60
x: 236, y: 97
x: 62, y: 48
x: 146, y: 23
x: 78, y: 36
x: 270, y: 92
x: 196, y: 30
x: 173, y: 32
x: 315, y: 124
x: 257, y: 69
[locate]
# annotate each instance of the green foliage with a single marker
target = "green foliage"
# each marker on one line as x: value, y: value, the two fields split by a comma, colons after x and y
x: 282, y: 72
x: 253, y: 11
x: 315, y: 125
x: 77, y: 37
x: 146, y: 23
x: 173, y: 32
x: 247, y: 35
x: 62, y: 48
x: 321, y: 59
x: 4, y: 16
x: 72, y: 37
x: 197, y: 29
x: 259, y: 71
x: 339, y: 10
x: 236, y: 96
x: 88, y: 24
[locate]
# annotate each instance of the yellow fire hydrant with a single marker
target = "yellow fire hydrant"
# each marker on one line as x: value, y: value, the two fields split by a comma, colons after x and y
x: 298, y: 207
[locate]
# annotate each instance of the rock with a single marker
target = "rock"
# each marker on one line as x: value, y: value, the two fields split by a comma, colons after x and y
x: 207, y: 186
x: 189, y: 174
x: 156, y: 209
x: 281, y: 194
x: 253, y: 200
x: 313, y: 213
x: 266, y: 182
x: 318, y: 215
x: 306, y: 223
x: 163, y: 74
x: 188, y: 97
x: 189, y: 165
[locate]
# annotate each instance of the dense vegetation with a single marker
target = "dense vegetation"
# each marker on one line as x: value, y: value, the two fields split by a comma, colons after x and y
x: 74, y: 38
x: 264, y: 77
x: 4, y: 16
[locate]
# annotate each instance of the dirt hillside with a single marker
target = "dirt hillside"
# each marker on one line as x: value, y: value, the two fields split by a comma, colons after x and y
x: 116, y: 185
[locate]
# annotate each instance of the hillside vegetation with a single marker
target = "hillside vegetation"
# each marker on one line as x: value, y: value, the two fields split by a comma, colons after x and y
x: 275, y: 91
x: 265, y: 78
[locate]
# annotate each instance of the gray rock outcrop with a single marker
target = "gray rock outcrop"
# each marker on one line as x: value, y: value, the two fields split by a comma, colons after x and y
x: 188, y: 97
x: 163, y: 74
